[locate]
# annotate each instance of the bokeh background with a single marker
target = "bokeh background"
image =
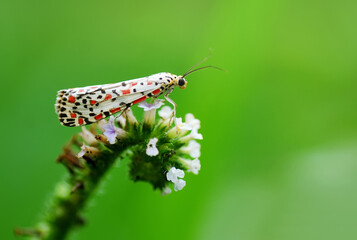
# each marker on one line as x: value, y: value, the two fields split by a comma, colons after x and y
x: 279, y: 155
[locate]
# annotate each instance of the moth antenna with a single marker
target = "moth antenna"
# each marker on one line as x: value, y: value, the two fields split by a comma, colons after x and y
x: 210, y: 66
x: 203, y: 60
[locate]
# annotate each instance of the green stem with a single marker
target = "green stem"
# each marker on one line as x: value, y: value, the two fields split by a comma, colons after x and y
x: 72, y: 194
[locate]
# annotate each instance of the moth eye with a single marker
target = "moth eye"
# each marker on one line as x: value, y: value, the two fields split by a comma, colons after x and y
x: 181, y: 82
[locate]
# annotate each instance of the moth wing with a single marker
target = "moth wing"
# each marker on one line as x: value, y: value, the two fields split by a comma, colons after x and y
x: 82, y: 106
x: 76, y: 92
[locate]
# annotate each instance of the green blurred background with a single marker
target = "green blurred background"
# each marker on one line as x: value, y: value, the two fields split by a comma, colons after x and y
x: 279, y: 155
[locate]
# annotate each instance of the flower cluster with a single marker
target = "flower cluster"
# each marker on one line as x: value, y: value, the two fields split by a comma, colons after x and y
x: 160, y: 150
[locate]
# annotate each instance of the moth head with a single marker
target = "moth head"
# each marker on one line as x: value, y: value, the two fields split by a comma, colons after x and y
x: 181, y: 82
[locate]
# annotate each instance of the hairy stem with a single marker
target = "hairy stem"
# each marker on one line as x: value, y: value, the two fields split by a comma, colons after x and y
x: 72, y: 194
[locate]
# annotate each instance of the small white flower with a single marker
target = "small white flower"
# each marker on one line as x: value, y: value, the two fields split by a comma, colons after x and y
x: 174, y: 173
x: 88, y: 137
x: 151, y: 149
x: 193, y: 135
x: 193, y: 148
x: 155, y: 105
x: 82, y: 152
x: 180, y: 129
x: 192, y: 121
x: 165, y: 112
x: 179, y: 184
x: 87, y: 150
x: 101, y: 123
x: 128, y: 114
x: 181, y: 125
x: 121, y: 120
x: 195, y: 166
x: 166, y: 191
x: 192, y: 165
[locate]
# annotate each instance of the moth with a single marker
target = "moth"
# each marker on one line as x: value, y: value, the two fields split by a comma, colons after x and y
x: 86, y: 105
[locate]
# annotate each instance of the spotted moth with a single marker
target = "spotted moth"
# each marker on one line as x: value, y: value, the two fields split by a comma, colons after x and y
x: 82, y: 106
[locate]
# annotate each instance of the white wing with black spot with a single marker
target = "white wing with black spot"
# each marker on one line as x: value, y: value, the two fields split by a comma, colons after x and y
x: 82, y: 106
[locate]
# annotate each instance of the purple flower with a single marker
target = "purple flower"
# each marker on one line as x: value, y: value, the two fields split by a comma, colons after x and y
x: 155, y: 105
x: 111, y: 131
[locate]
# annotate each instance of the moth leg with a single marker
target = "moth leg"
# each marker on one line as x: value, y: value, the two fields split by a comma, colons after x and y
x: 121, y: 113
x: 174, y: 105
x: 118, y: 116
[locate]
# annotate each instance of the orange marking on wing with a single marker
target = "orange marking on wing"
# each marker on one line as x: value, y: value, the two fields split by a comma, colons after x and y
x: 133, y: 84
x: 71, y: 99
x: 156, y: 91
x: 114, y: 110
x: 99, y: 116
x: 125, y: 91
x: 93, y: 102
x: 80, y: 121
x: 107, y: 97
x: 73, y: 115
x: 93, y: 87
x: 149, y: 83
x: 81, y: 90
x: 139, y: 100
